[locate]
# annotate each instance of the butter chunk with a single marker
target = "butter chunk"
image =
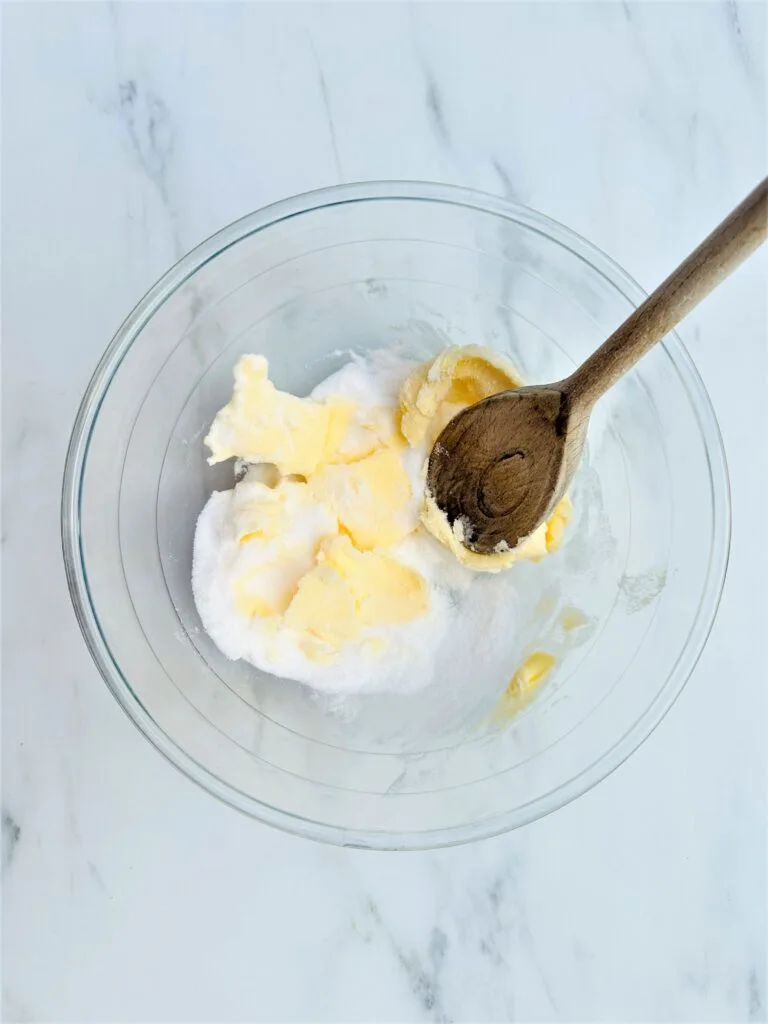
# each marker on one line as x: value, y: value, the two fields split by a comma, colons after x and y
x: 278, y: 532
x: 455, y: 379
x: 386, y: 592
x: 262, y: 424
x: 544, y: 539
x: 348, y: 591
x: 557, y: 523
x: 372, y: 498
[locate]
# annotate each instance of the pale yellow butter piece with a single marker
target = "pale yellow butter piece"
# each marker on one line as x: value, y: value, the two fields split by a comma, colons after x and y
x: 260, y: 512
x: 533, y: 548
x: 456, y: 378
x: 262, y: 424
x: 386, y: 592
x: 263, y: 591
x: 349, y: 590
x: 557, y: 523
x: 367, y: 430
x: 324, y: 606
x: 279, y: 530
x: 371, y: 498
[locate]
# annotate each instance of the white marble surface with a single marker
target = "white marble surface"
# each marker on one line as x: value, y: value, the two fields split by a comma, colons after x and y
x: 132, y: 131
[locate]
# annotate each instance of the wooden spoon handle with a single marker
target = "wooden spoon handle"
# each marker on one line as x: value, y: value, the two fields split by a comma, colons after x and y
x: 717, y: 256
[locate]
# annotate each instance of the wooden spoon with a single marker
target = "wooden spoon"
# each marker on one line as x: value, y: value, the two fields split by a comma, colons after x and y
x: 500, y: 466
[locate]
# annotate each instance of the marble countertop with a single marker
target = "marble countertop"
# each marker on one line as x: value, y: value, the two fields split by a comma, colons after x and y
x: 132, y: 131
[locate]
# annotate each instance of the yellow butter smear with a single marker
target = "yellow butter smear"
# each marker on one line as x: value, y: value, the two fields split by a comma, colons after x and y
x: 525, y: 683
x: 319, y: 525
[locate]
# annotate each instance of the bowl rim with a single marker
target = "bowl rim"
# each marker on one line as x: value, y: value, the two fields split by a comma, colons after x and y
x: 87, y: 416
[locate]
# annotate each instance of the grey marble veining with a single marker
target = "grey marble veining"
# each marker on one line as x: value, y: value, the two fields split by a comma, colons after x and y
x: 130, y: 133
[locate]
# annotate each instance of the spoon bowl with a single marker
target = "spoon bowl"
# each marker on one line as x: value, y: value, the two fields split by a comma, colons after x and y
x: 500, y: 466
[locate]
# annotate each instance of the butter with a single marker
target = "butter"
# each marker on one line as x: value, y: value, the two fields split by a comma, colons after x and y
x: 545, y: 539
x: 327, y: 493
x: 263, y: 591
x: 332, y: 486
x: 279, y: 531
x: 530, y: 674
x: 525, y: 682
x: 372, y: 498
x: 262, y: 424
x: 557, y: 522
x: 367, y: 430
x: 386, y: 592
x: 436, y: 391
x: 260, y: 511
x: 349, y: 590
x: 324, y: 607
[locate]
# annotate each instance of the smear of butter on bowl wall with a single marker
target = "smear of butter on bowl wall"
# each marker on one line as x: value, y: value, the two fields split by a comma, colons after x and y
x: 525, y: 684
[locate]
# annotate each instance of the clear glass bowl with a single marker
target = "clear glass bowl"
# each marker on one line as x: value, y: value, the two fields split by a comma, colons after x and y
x: 362, y: 267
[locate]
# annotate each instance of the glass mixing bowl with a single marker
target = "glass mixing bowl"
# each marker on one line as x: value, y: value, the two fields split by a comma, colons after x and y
x: 626, y: 605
